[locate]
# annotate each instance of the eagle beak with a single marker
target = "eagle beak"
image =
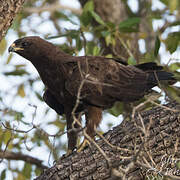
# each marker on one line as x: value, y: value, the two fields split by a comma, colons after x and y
x: 13, y: 48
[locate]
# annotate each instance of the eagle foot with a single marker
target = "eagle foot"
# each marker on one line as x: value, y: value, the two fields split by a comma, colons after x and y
x: 82, y: 146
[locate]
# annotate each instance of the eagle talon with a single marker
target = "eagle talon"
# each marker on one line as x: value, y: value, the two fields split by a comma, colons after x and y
x: 84, y: 144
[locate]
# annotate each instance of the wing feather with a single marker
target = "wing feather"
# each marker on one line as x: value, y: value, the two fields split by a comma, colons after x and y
x: 106, y: 82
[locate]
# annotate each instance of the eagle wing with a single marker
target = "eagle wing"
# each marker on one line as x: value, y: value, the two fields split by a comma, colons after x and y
x: 52, y: 102
x: 102, y: 81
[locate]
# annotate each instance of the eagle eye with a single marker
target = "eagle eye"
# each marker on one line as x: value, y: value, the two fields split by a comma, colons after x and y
x: 25, y: 44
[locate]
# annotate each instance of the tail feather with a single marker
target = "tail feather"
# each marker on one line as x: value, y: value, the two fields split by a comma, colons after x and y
x: 150, y: 66
x: 157, y: 76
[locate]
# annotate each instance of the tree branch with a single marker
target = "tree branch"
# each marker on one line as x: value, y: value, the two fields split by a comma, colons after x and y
x: 152, y: 139
x: 19, y: 156
x: 8, y: 10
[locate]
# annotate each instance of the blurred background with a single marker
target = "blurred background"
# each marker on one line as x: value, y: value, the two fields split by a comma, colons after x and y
x: 135, y: 31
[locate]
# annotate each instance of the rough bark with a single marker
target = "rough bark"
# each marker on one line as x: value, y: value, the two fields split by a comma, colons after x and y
x: 146, y: 141
x: 8, y: 11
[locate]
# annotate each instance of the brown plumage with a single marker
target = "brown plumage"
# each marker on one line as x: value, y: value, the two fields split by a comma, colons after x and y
x: 105, y: 81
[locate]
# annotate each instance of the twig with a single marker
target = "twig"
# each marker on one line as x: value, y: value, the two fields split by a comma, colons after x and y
x: 4, y: 151
x: 84, y: 44
x: 137, y: 108
x: 125, y: 46
x: 16, y: 130
x: 162, y: 106
x: 52, y: 148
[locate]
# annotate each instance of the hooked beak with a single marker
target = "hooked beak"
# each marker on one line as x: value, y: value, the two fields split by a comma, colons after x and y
x: 13, y: 48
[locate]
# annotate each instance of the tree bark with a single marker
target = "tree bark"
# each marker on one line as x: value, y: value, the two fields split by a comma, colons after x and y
x: 146, y: 145
x: 8, y: 11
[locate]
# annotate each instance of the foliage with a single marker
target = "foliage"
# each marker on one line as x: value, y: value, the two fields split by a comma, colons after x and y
x: 83, y: 35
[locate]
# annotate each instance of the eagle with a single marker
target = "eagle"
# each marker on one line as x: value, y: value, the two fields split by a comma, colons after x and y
x: 91, y: 83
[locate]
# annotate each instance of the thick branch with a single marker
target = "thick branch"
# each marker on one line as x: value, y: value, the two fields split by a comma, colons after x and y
x: 143, y: 146
x: 8, y: 10
x: 19, y: 156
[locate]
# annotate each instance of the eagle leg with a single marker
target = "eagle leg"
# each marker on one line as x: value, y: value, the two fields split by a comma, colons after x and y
x: 93, y: 118
x: 72, y: 133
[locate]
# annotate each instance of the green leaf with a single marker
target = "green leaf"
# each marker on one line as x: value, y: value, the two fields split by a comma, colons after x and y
x: 39, y: 96
x: 172, y: 41
x: 97, y: 18
x: 17, y: 22
x: 61, y: 15
x: 111, y: 26
x: 71, y: 33
x: 21, y: 91
x: 149, y: 57
x: 19, y: 66
x: 17, y: 72
x: 3, y: 45
x: 7, y: 137
x: 131, y: 61
x: 109, y: 56
x: 166, y: 2
x: 175, y: 23
x: 9, y: 58
x: 18, y: 117
x: 105, y: 33
x: 173, y: 4
x: 117, y: 109
x: 178, y: 165
x: 88, y: 13
x: 173, y: 93
x: 86, y: 16
x: 19, y: 177
x: 156, y: 15
x: 174, y: 66
x: 3, y: 174
x: 110, y: 40
x: 96, y: 51
x: 37, y: 171
x: 89, y: 6
x: 27, y: 170
x: 129, y: 25
x: 78, y: 43
x: 90, y: 47
x: 157, y: 46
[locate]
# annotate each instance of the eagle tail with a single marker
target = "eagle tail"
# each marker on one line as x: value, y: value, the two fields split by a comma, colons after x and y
x: 157, y: 77
x: 150, y: 66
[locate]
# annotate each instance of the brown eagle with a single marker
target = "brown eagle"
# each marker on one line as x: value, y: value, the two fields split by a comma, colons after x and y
x: 99, y: 81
